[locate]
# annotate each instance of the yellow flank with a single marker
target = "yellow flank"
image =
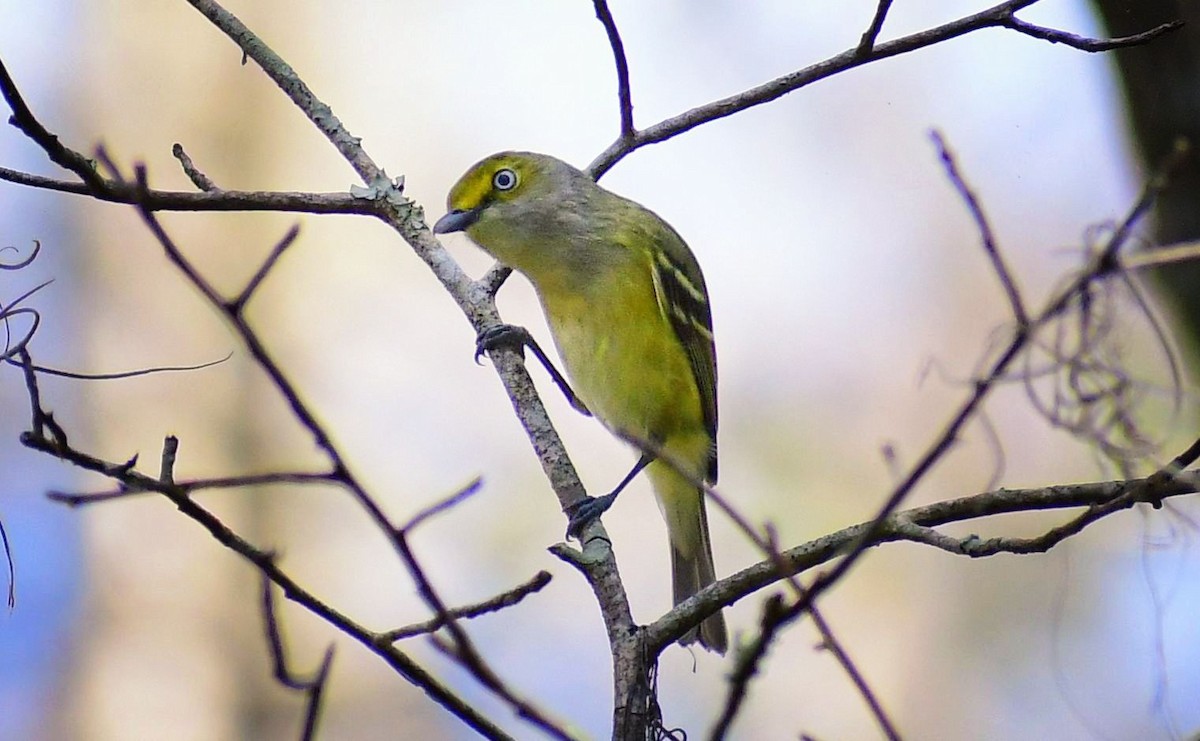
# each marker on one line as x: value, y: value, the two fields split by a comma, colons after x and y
x: 628, y: 309
x: 653, y: 398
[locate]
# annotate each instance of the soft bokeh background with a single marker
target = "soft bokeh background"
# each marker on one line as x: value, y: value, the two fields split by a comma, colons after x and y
x: 840, y: 264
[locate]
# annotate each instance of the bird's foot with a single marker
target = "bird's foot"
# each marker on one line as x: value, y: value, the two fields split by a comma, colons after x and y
x: 502, y: 335
x: 585, y: 511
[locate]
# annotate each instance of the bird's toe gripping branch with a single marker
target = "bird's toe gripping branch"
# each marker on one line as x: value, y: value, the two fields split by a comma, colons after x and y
x: 518, y: 338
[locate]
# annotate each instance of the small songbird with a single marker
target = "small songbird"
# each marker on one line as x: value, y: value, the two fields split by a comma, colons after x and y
x: 628, y: 309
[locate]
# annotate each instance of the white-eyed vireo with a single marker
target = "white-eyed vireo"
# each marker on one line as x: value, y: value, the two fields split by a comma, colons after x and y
x: 626, y: 303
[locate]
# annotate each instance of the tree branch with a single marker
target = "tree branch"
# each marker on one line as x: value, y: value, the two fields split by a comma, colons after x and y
x: 998, y: 16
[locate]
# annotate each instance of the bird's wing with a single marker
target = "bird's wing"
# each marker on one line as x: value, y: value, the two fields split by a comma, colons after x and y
x: 683, y: 299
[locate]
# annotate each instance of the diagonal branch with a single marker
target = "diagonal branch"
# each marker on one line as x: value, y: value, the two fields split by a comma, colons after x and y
x: 493, y: 604
x: 23, y: 118
x: 265, y: 563
x: 999, y: 265
x: 998, y: 16
x: 314, y: 688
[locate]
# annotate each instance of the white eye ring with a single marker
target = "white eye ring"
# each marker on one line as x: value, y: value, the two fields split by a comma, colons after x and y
x: 504, y: 179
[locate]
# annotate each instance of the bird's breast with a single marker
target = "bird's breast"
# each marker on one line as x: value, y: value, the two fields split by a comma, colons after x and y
x: 623, y: 358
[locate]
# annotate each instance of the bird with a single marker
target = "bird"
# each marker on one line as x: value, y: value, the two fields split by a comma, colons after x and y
x: 628, y: 310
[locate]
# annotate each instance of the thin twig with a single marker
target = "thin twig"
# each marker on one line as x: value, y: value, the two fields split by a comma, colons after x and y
x: 998, y: 16
x: 463, y: 650
x: 78, y: 376
x: 224, y: 482
x: 1103, y: 263
x: 1160, y: 256
x: 12, y: 572
x: 309, y: 421
x: 286, y: 79
x: 238, y: 304
x: 746, y: 664
x: 494, y: 278
x: 265, y: 563
x: 211, y: 201
x: 37, y: 248
x: 806, y: 556
x: 313, y: 712
x: 198, y: 178
x: 166, y: 471
x: 314, y: 688
x: 871, y: 35
x: 624, y: 96
x: 1084, y: 43
x: 466, y: 612
x: 438, y: 507
x: 835, y: 647
x: 999, y: 266
x: 41, y: 421
x: 23, y: 118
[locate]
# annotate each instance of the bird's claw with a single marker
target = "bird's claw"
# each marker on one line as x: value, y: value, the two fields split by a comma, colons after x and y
x: 502, y: 335
x: 586, y: 510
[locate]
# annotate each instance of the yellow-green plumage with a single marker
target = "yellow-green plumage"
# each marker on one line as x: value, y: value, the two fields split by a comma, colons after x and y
x: 628, y: 309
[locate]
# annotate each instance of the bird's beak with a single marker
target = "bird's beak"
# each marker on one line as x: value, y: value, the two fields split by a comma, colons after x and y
x: 456, y: 221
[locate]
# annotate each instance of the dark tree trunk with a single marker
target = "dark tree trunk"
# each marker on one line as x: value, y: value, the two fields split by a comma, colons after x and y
x: 1161, y: 82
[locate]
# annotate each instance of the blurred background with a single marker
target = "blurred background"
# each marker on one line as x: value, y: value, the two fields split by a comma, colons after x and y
x: 851, y: 302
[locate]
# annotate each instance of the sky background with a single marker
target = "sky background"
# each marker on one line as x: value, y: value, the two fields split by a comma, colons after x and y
x: 841, y: 266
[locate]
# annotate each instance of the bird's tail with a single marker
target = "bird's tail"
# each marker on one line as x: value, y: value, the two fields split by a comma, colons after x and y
x: 691, y: 549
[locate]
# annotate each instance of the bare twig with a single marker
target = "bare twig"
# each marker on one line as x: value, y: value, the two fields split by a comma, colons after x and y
x: 33, y: 254
x: 1102, y: 264
x: 438, y: 507
x: 265, y: 563
x: 871, y: 35
x: 305, y: 416
x: 1084, y: 43
x: 624, y: 96
x: 313, y: 712
x: 238, y: 304
x: 998, y: 16
x: 999, y: 266
x: 24, y: 120
x: 224, y: 482
x: 499, y: 602
x: 746, y: 664
x: 835, y: 647
x: 10, y: 310
x: 41, y: 421
x: 48, y: 371
x: 166, y: 470
x: 1106, y: 497
x: 198, y: 178
x: 214, y: 201
x: 462, y: 649
x: 282, y: 74
x: 1160, y: 256
x: 314, y: 688
x: 494, y: 278
x: 12, y: 572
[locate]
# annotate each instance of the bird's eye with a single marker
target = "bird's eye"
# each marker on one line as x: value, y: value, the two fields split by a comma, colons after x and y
x: 504, y: 179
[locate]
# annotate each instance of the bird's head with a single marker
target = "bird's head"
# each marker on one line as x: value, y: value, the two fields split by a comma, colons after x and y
x: 504, y: 183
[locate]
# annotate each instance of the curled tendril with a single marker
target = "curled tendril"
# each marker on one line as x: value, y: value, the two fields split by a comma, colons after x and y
x: 14, y: 309
x: 1078, y: 372
x: 11, y: 349
x: 37, y: 247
